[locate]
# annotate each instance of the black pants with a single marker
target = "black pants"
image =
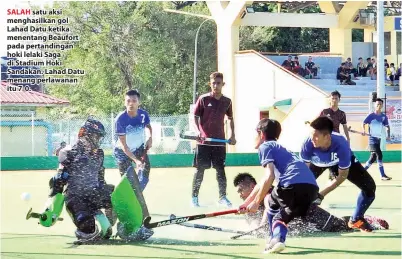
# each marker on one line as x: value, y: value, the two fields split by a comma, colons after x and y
x: 362, y: 71
x: 82, y: 206
x: 292, y: 201
x: 324, y: 221
x: 376, y: 152
x: 204, y: 157
x: 357, y: 175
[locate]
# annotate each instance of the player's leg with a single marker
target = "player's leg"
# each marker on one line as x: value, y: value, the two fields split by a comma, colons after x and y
x: 363, y: 180
x: 373, y: 156
x: 317, y: 170
x: 83, y: 217
x: 378, y: 151
x: 105, y: 202
x: 218, y: 158
x: 325, y: 221
x: 122, y: 160
x: 294, y: 201
x: 202, y: 161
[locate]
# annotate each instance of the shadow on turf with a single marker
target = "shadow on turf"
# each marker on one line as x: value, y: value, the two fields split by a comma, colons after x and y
x: 310, y: 250
x: 20, y: 236
x: 163, y: 241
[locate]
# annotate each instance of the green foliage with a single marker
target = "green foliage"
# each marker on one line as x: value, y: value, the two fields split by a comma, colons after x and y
x: 135, y: 45
x: 138, y: 45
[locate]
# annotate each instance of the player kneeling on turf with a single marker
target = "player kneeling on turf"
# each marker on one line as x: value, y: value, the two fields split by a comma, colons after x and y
x: 81, y: 169
x: 296, y: 189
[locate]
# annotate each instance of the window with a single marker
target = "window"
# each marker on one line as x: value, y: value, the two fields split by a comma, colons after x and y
x: 387, y: 43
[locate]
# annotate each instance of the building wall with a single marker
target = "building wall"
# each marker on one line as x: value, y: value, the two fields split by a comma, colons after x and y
x: 258, y: 82
x: 16, y: 140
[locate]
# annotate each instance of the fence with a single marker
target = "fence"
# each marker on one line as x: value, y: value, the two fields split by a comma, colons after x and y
x: 28, y: 133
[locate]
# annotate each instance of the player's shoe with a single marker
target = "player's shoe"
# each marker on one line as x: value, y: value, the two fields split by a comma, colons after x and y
x: 141, y: 234
x: 194, y: 202
x: 274, y: 246
x: 361, y: 224
x: 386, y: 178
x: 225, y: 202
x: 87, y: 237
x: 377, y: 223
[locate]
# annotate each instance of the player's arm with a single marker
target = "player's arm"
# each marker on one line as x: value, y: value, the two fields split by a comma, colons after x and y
x: 148, y: 126
x: 344, y: 155
x: 306, y: 152
x: 265, y: 183
x: 229, y: 114
x: 365, y: 122
x: 127, y: 150
x: 342, y: 175
x: 198, y: 111
x: 386, y: 124
x: 345, y: 126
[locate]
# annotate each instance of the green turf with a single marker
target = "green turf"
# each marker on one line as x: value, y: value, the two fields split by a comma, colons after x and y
x: 169, y: 192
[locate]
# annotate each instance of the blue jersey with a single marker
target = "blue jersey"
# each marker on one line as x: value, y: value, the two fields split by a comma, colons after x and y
x: 376, y: 123
x: 338, y: 153
x: 289, y: 169
x: 132, y: 128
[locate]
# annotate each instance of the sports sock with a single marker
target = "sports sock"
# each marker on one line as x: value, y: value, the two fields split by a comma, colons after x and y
x: 381, y: 167
x: 363, y: 203
x: 280, y: 231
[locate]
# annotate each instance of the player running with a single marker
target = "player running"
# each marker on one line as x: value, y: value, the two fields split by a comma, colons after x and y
x: 296, y: 189
x: 376, y: 121
x: 324, y: 149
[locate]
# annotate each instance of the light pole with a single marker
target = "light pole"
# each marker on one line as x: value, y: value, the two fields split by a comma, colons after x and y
x: 195, y: 60
x: 207, y: 18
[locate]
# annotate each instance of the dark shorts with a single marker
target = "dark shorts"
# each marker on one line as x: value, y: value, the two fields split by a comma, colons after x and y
x: 357, y: 175
x: 124, y: 162
x: 375, y: 147
x: 90, y: 202
x: 293, y: 201
x: 205, y: 156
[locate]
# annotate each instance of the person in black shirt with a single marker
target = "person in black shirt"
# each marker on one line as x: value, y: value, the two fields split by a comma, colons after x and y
x: 311, y: 68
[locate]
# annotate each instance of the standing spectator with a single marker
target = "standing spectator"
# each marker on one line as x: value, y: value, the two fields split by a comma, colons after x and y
x: 209, y: 113
x: 391, y: 73
x: 338, y: 117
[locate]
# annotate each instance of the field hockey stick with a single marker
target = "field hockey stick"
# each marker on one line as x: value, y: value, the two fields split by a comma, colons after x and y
x: 35, y: 215
x: 205, y: 227
x: 206, y: 139
x: 306, y: 122
x: 148, y: 224
x: 251, y: 232
x: 358, y: 132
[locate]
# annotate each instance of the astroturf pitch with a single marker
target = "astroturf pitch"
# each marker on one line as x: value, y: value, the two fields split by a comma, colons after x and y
x: 169, y: 191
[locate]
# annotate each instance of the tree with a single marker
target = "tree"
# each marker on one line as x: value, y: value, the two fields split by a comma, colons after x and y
x: 127, y: 45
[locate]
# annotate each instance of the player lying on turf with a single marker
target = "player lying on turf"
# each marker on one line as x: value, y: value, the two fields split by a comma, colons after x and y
x: 296, y: 189
x: 325, y: 149
x: 317, y: 219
